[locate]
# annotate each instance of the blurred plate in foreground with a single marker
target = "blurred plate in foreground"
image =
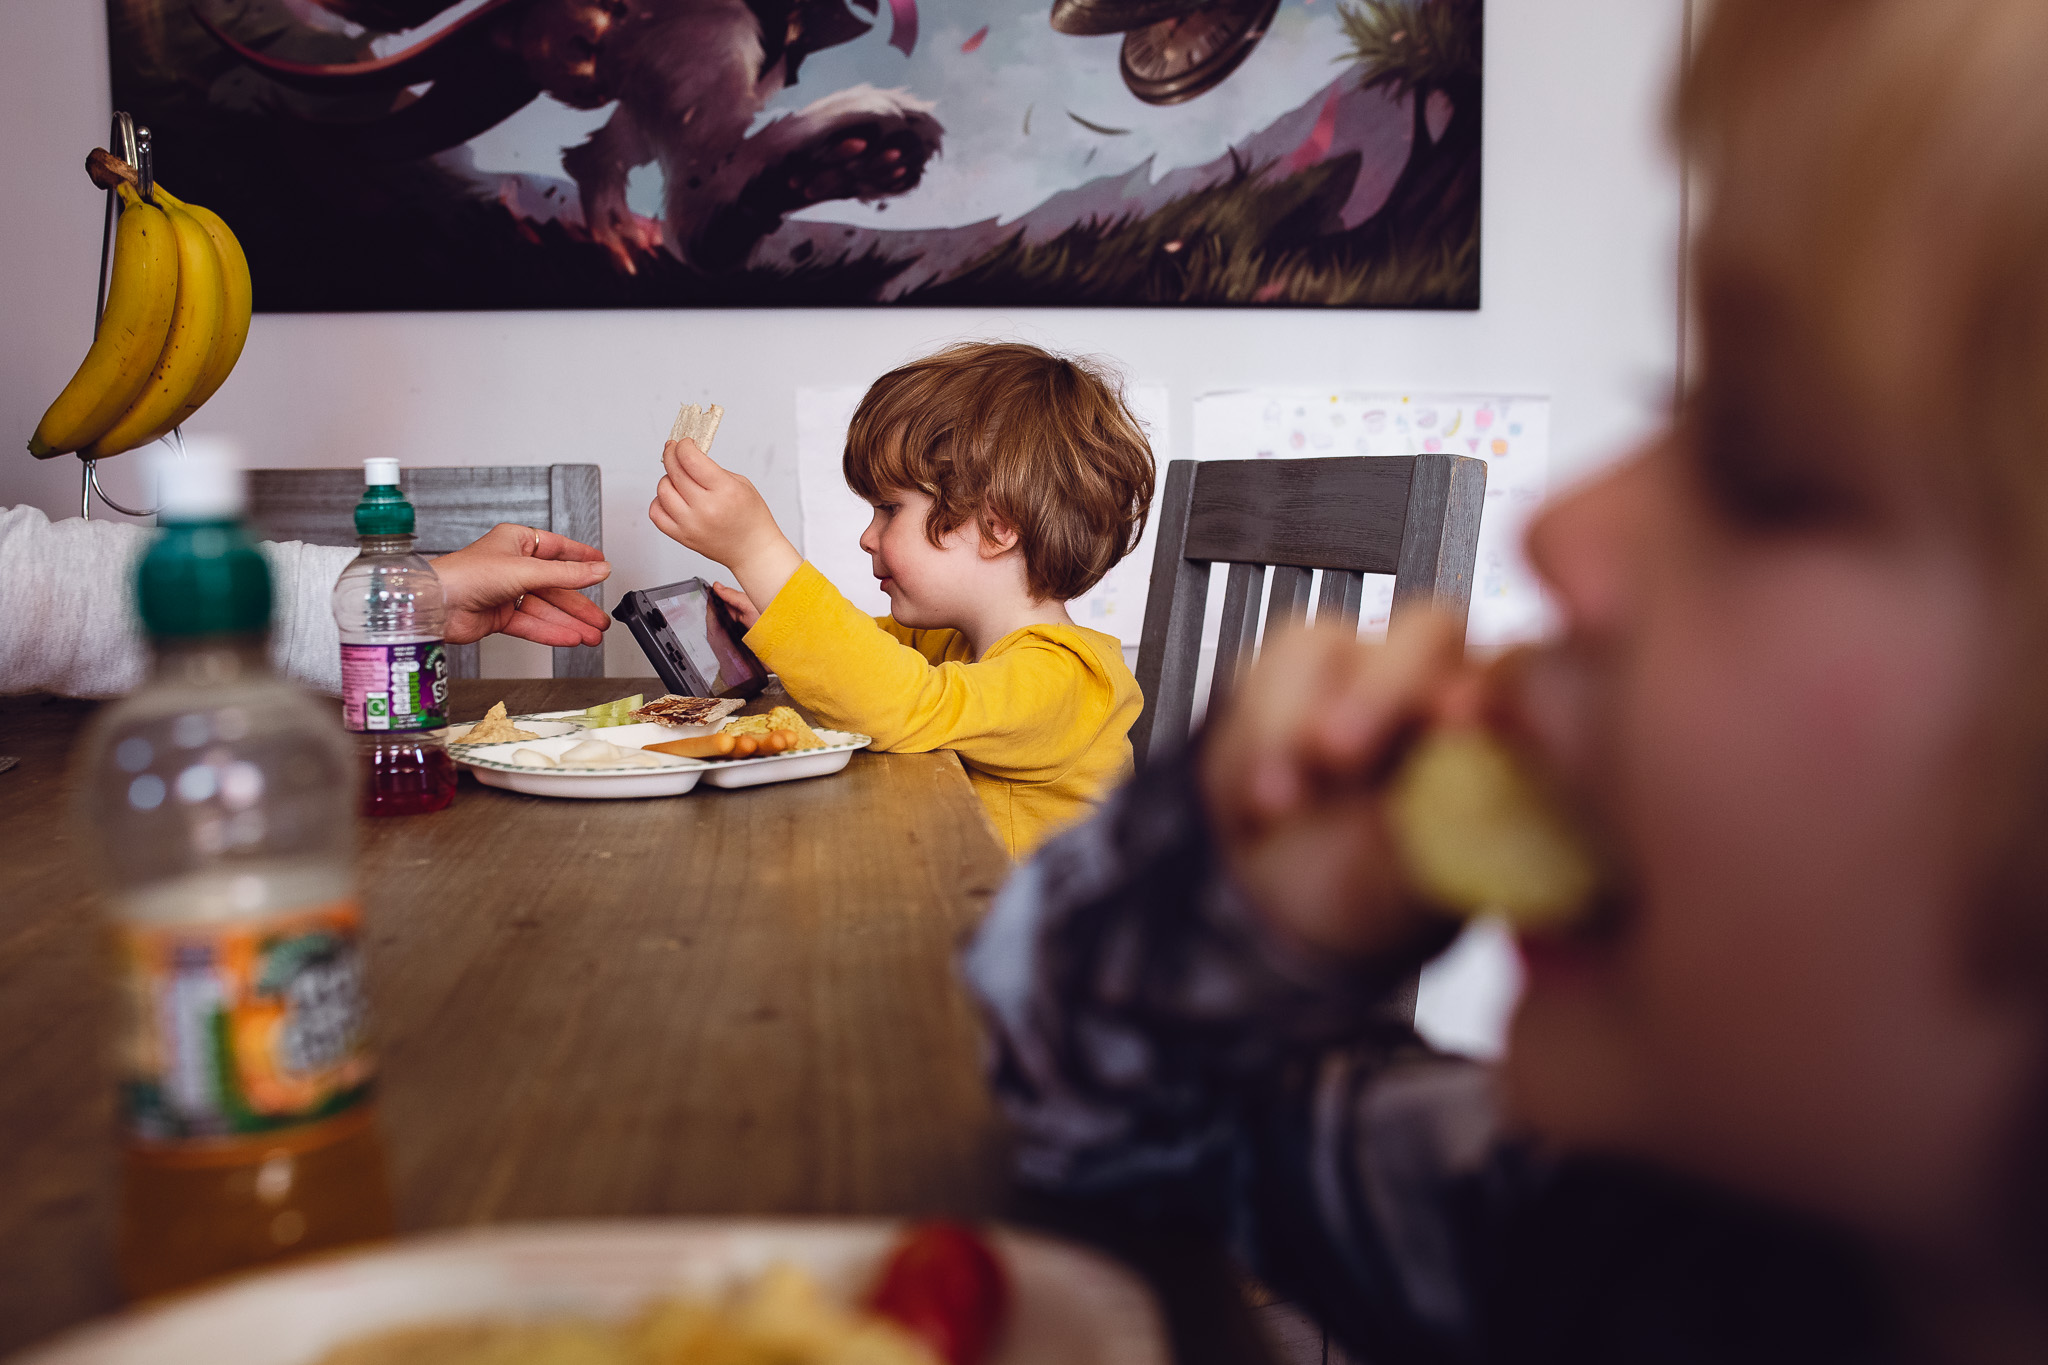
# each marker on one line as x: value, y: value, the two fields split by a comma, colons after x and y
x: 1070, y: 1305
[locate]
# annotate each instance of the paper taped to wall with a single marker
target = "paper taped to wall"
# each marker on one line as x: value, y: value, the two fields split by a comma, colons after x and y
x: 1511, y: 432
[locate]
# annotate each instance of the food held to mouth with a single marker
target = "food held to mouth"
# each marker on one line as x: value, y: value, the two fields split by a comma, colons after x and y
x: 1477, y: 832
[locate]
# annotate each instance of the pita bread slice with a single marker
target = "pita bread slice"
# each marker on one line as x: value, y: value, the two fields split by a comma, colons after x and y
x: 683, y: 712
x: 697, y: 424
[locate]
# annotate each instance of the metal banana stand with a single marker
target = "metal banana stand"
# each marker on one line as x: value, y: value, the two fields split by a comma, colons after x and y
x: 133, y: 145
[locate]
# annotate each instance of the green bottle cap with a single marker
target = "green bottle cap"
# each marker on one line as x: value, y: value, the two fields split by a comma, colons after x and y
x: 202, y: 575
x: 383, y: 510
x: 204, y: 578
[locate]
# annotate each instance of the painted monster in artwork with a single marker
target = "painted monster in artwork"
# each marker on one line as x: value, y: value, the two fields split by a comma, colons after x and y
x: 460, y: 154
x: 686, y: 78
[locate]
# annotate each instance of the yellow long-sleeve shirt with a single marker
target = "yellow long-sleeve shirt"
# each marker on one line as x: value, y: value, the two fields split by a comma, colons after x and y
x: 1042, y: 721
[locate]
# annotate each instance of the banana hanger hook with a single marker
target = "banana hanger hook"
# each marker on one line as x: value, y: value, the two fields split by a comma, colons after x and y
x: 136, y: 147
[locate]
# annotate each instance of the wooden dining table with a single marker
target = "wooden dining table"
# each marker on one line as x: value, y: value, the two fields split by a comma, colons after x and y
x: 730, y: 1002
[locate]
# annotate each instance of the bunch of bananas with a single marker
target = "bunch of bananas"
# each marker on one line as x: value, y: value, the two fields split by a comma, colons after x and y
x: 177, y: 314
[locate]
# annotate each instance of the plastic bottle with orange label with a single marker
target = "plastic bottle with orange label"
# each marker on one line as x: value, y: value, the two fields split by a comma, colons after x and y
x: 218, y: 802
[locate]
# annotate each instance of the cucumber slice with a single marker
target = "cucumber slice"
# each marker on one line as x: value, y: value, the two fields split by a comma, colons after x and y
x: 609, y: 713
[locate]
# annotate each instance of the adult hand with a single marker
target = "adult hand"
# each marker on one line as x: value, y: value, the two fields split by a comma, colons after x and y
x: 1293, y: 774
x: 523, y: 582
x: 739, y: 604
x: 722, y: 516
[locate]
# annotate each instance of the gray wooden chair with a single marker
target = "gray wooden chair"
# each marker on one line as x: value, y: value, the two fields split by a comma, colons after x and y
x: 1415, y: 517
x: 452, y: 507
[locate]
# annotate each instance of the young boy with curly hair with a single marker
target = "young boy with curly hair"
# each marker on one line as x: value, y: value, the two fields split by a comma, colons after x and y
x: 1005, y: 481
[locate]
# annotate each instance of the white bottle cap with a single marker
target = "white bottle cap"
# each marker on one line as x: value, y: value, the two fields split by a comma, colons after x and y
x: 380, y: 472
x: 202, y: 484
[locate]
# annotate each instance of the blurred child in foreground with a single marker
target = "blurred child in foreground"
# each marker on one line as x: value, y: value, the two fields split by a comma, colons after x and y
x: 1005, y: 481
x: 1788, y: 1099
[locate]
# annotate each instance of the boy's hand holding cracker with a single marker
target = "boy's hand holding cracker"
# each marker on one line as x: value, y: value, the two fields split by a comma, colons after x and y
x: 722, y: 516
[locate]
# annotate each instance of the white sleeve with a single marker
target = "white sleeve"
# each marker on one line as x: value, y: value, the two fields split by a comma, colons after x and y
x: 67, y: 607
x: 305, y: 645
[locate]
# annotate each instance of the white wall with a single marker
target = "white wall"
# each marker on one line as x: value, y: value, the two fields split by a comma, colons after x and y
x: 1581, y: 220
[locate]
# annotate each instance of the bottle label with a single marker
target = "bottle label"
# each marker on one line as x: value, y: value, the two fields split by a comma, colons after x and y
x: 245, y: 1027
x: 394, y: 687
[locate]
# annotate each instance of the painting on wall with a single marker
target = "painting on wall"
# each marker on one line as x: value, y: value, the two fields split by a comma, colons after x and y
x: 416, y: 154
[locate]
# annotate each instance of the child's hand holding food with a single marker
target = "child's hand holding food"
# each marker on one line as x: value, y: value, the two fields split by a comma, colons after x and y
x: 1294, y: 774
x: 722, y: 516
x: 1347, y: 829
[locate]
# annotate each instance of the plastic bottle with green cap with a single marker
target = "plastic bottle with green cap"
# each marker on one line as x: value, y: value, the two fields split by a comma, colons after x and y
x: 216, y: 801
x: 394, y: 667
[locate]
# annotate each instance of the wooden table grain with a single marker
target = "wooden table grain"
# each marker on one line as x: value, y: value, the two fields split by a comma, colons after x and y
x: 728, y: 1002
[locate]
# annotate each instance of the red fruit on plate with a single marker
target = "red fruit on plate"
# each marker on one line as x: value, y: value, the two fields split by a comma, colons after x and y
x: 945, y: 1286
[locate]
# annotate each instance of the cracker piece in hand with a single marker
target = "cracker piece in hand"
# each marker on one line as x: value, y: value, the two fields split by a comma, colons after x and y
x: 697, y: 424
x: 1477, y: 833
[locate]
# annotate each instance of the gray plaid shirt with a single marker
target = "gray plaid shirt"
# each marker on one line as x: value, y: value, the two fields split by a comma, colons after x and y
x: 1156, y: 1050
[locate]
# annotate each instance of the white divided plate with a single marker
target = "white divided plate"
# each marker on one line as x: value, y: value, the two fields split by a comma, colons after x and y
x: 1069, y: 1306
x: 493, y: 766
x: 547, y: 726
x: 752, y: 772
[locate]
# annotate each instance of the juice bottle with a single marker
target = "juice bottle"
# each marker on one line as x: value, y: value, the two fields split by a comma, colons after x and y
x: 217, y: 801
x: 394, y: 670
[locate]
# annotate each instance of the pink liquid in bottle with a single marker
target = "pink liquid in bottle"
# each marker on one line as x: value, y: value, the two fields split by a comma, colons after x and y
x: 391, y: 613
x: 407, y: 779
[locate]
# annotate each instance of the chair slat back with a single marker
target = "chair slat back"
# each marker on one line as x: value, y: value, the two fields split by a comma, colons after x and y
x: 451, y: 507
x: 1415, y: 517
